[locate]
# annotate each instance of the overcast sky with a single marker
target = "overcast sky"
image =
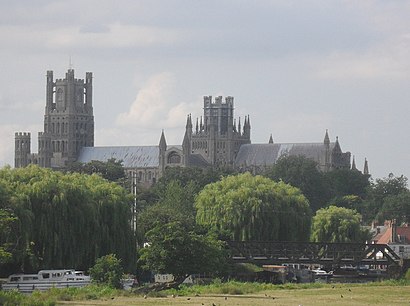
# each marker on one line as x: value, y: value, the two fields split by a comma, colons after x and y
x: 296, y: 67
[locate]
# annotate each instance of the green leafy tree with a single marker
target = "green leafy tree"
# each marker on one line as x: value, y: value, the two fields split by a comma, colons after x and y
x: 379, y: 191
x: 6, y: 242
x: 304, y: 174
x: 174, y: 249
x: 175, y: 204
x: 111, y: 170
x: 337, y: 224
x: 348, y: 201
x: 396, y: 207
x: 7, y: 219
x: 107, y: 270
x: 254, y: 208
x: 196, y: 177
x: 67, y: 220
x: 347, y: 182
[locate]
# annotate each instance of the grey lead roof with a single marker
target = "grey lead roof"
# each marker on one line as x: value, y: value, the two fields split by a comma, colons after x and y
x: 267, y: 154
x: 132, y: 156
x: 196, y: 160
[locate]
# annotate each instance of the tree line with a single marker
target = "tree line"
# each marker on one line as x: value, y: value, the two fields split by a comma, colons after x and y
x: 50, y: 219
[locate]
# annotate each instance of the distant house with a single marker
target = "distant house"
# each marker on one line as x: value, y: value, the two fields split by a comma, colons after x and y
x: 396, y: 237
x: 168, y: 278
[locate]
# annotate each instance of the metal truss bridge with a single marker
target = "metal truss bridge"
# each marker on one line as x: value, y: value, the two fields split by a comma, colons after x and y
x: 263, y: 252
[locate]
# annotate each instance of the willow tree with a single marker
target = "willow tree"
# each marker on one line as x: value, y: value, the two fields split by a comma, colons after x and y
x: 68, y: 220
x: 254, y: 208
x: 337, y: 224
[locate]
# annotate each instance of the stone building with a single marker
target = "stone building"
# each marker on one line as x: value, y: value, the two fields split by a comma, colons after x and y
x: 68, y: 124
x: 217, y: 140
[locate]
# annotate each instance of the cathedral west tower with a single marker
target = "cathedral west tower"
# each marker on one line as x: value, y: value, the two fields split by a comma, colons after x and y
x: 68, y: 123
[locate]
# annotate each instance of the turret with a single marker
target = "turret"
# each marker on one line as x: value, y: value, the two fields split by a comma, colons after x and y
x: 247, y: 128
x: 162, y: 149
x: 354, y: 164
x: 271, y: 139
x: 88, y: 91
x: 49, y: 91
x: 337, y: 148
x: 366, y: 167
x: 188, y: 125
x: 326, y: 141
x: 22, y: 149
x: 162, y: 142
x: 186, y: 144
x: 338, y: 158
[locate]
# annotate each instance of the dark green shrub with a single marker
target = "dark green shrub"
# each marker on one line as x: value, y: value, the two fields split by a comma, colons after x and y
x: 107, y: 270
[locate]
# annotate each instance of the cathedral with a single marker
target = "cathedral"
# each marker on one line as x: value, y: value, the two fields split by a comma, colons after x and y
x: 215, y: 140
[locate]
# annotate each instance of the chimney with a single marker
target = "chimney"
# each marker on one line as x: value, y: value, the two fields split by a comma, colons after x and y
x: 393, y: 231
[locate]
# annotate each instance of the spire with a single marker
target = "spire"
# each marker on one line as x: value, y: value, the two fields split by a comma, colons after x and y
x: 326, y: 140
x: 234, y: 125
x: 247, y: 127
x: 337, y: 146
x: 271, y: 139
x: 201, y: 126
x: 366, y: 167
x: 239, y: 125
x: 188, y: 122
x: 354, y: 164
x: 197, y: 127
x: 186, y: 143
x: 162, y: 142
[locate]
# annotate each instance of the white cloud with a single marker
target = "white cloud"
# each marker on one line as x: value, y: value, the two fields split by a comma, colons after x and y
x: 391, y: 59
x: 152, y: 107
x: 112, y: 36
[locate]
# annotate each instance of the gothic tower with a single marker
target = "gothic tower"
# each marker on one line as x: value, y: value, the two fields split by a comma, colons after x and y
x: 216, y: 139
x: 68, y: 123
x: 22, y: 149
x: 68, y: 120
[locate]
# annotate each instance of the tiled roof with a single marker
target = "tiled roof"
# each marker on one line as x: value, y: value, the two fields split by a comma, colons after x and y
x: 401, y: 231
x: 267, y: 154
x: 132, y: 156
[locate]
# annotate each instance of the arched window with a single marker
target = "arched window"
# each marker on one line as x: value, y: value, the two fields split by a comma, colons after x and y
x: 174, y: 158
x: 59, y: 95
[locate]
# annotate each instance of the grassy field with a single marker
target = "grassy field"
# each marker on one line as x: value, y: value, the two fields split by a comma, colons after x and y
x: 336, y: 295
x: 230, y: 293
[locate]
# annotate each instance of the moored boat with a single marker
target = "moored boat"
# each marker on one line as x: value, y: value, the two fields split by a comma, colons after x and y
x: 46, y: 279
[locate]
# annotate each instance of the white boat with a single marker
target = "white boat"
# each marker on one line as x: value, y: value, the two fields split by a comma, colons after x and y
x: 46, y: 279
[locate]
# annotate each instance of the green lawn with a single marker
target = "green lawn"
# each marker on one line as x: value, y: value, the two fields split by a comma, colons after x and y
x: 339, y: 295
x: 231, y: 293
